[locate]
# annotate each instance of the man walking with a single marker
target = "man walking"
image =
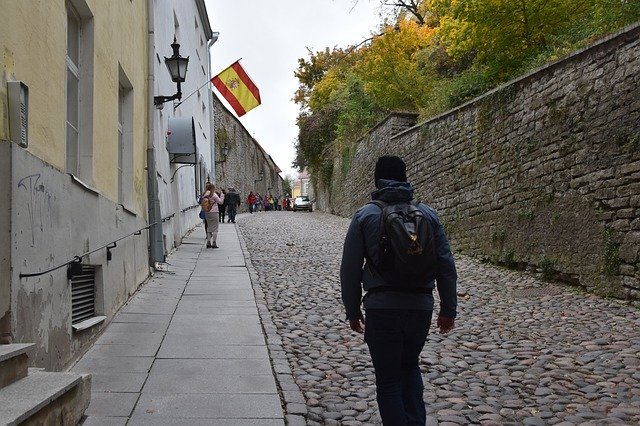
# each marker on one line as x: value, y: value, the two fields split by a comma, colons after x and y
x: 398, y: 315
x: 233, y: 202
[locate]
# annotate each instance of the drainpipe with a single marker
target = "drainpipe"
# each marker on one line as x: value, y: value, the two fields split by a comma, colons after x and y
x: 156, y: 245
x: 214, y: 38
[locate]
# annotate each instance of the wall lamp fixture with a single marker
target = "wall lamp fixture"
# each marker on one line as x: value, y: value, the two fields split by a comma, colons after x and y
x: 225, y: 152
x: 261, y: 177
x: 177, y: 66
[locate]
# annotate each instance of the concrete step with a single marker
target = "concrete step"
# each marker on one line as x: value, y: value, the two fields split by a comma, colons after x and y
x: 14, y: 362
x: 45, y: 398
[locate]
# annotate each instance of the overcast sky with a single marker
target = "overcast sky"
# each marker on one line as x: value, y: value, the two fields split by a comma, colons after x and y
x: 270, y: 36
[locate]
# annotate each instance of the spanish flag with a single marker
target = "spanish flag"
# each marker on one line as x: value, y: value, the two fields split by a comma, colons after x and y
x: 237, y: 88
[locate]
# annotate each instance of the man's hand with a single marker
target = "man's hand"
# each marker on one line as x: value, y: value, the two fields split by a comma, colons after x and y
x: 357, y: 325
x: 445, y: 324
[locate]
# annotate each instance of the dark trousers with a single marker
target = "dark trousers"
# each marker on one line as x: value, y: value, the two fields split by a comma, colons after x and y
x: 221, y: 213
x: 232, y: 213
x: 395, y: 338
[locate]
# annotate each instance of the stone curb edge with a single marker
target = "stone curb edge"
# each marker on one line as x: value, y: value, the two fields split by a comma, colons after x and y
x: 293, y: 401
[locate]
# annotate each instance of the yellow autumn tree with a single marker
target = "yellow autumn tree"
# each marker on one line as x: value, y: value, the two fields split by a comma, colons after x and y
x: 389, y: 70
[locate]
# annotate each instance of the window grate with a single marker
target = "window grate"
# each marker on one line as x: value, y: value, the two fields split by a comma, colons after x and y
x: 83, y: 294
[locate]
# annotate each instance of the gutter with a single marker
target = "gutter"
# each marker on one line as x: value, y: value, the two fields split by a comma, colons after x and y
x: 156, y: 244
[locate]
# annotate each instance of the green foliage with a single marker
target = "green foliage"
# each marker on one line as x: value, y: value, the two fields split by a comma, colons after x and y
x: 347, y: 156
x: 357, y: 111
x: 498, y: 237
x: 221, y: 135
x: 465, y: 86
x: 287, y: 184
x: 510, y: 258
x: 389, y: 67
x: 526, y: 215
x: 433, y: 56
x: 317, y: 131
x: 312, y: 71
x: 611, y: 259
x: 547, y: 268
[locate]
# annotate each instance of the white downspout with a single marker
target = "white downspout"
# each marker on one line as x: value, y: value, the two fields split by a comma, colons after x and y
x: 156, y: 244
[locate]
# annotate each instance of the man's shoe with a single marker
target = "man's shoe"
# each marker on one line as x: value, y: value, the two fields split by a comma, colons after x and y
x: 214, y: 245
x: 208, y: 245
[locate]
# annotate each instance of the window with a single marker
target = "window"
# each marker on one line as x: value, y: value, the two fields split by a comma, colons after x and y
x: 73, y: 84
x: 79, y: 90
x: 125, y: 140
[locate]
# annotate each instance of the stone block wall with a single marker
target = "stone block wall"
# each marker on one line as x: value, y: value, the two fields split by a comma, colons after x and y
x: 246, y: 158
x: 542, y: 172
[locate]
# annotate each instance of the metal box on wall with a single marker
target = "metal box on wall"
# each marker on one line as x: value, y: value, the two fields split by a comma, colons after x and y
x: 181, y: 140
x: 18, y: 97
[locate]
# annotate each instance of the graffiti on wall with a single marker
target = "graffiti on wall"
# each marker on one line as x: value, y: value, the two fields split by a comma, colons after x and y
x: 38, y: 203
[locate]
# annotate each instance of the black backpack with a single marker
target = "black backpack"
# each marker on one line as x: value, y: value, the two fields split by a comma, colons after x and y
x: 407, y: 258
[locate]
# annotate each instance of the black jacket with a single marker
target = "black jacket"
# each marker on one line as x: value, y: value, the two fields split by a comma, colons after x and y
x: 362, y: 242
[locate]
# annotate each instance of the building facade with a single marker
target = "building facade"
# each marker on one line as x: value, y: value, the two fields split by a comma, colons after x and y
x: 73, y: 129
x: 102, y: 180
x: 182, y: 130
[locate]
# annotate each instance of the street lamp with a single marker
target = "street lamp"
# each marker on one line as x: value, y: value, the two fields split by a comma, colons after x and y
x: 225, y: 152
x: 261, y: 176
x: 177, y: 66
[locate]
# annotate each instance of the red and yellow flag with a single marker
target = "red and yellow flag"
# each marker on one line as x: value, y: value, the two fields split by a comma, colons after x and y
x: 237, y: 88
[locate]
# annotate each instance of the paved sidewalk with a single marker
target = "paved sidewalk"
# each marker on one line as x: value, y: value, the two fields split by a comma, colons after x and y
x: 188, y: 348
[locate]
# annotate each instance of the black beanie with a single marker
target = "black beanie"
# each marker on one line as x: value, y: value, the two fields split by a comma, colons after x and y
x: 390, y: 167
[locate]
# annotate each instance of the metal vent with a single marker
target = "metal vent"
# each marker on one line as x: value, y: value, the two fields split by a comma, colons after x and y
x: 83, y: 294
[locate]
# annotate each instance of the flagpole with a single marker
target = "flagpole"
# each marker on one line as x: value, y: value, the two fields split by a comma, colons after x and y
x: 192, y: 93
x: 208, y: 81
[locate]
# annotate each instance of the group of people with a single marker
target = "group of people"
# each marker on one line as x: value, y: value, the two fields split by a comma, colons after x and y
x: 215, y: 205
x: 256, y: 202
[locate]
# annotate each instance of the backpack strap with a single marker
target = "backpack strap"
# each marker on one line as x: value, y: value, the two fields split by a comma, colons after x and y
x: 383, y: 235
x: 379, y: 203
x: 383, y: 232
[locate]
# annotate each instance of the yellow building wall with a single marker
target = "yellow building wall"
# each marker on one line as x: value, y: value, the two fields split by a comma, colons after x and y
x: 33, y: 44
x: 32, y: 40
x: 296, y: 190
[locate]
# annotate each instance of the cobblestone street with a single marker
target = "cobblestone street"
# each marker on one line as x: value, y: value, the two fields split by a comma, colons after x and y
x: 523, y: 351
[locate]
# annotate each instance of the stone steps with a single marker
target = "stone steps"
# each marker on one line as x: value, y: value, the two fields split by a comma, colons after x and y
x: 14, y: 362
x: 37, y: 397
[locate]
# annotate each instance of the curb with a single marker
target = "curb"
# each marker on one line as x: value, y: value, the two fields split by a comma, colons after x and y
x: 292, y: 400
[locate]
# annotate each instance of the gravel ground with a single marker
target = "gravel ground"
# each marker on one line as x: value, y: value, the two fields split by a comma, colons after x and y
x: 523, y: 352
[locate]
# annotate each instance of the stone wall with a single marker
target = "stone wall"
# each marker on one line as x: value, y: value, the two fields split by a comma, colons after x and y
x: 542, y: 172
x: 246, y: 158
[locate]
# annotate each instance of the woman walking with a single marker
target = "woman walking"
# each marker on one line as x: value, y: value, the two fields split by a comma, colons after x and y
x: 210, y: 202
